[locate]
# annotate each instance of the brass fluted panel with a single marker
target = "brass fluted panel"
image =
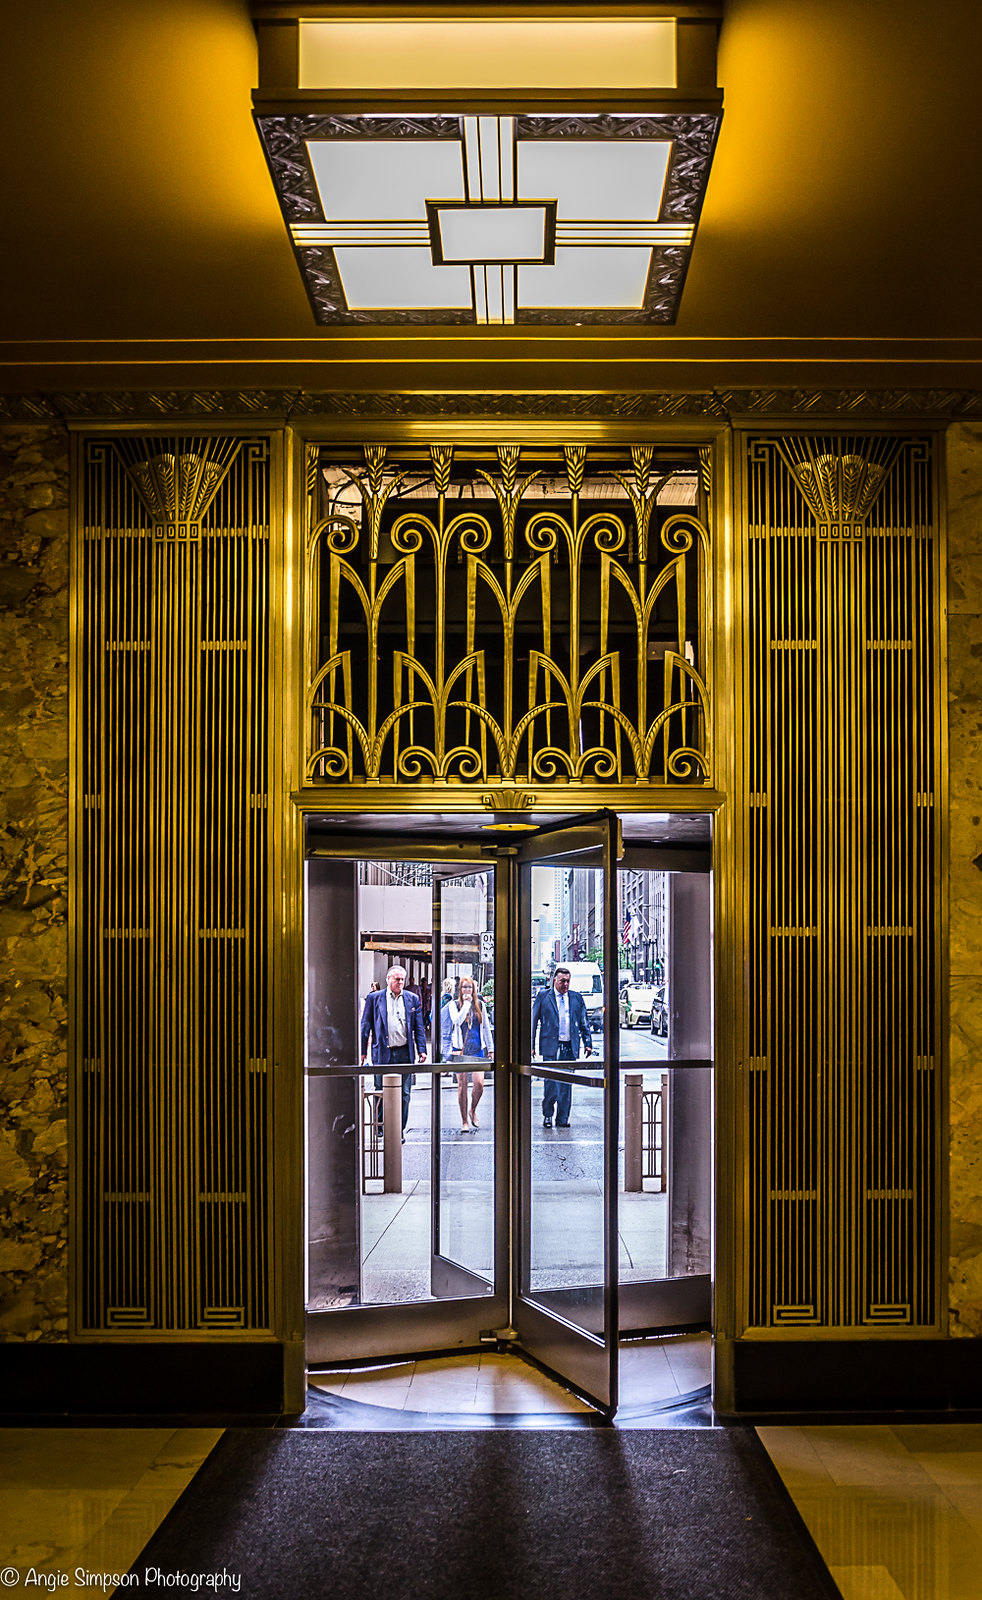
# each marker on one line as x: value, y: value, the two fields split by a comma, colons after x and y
x: 842, y: 820
x: 172, y: 899
x: 512, y: 615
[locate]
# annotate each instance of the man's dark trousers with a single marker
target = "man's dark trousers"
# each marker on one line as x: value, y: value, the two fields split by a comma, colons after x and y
x: 557, y: 1097
x: 397, y: 1055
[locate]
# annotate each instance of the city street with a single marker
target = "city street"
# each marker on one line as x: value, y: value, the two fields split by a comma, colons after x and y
x: 567, y: 1198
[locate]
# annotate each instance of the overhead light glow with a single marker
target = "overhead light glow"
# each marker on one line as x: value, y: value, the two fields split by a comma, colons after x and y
x: 551, y: 217
x: 491, y: 233
x: 398, y: 279
x: 614, y: 278
x: 597, y: 180
x: 525, y: 53
x: 385, y: 180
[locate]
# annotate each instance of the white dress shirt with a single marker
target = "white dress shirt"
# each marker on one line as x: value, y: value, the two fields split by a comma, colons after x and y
x: 395, y: 1012
x: 562, y: 1006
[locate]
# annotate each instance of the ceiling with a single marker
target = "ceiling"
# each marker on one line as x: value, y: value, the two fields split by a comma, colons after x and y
x: 838, y: 244
x: 678, y: 829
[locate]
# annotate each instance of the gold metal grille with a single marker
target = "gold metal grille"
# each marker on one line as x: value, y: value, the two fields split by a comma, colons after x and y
x: 842, y: 818
x: 171, y: 907
x: 506, y: 615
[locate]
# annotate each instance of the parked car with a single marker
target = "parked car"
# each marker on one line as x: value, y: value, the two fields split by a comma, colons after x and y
x: 635, y: 1003
x: 659, y: 1012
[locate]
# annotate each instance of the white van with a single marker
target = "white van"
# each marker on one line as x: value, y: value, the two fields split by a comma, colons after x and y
x: 587, y: 979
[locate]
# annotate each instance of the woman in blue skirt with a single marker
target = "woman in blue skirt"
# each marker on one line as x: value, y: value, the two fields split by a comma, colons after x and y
x: 471, y: 1040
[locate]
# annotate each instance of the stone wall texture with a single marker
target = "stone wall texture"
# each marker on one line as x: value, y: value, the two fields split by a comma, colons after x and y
x: 965, y: 881
x: 34, y: 614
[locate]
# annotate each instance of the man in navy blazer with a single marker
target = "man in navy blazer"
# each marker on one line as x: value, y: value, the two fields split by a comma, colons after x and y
x: 393, y: 1019
x: 559, y: 1022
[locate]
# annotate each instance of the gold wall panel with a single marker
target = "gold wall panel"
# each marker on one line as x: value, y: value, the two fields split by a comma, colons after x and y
x: 172, y: 1112
x: 842, y: 823
x: 515, y: 615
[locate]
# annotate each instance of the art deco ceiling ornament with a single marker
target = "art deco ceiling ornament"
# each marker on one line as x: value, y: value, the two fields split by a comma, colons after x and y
x: 410, y: 202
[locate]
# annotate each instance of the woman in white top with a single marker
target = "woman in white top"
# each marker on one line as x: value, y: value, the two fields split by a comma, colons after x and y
x: 470, y: 1040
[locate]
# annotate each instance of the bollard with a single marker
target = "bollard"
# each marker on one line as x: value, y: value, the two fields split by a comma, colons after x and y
x: 633, y: 1132
x: 392, y: 1133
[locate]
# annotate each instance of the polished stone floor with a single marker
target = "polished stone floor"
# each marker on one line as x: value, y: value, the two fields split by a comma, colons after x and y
x: 896, y: 1510
x: 656, y: 1372
x: 87, y: 1498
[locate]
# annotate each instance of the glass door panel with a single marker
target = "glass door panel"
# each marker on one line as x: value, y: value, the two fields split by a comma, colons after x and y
x: 567, y: 1214
x: 565, y: 1306
x: 665, y: 1033
x: 566, y: 993
x: 463, y: 1112
x: 400, y: 1210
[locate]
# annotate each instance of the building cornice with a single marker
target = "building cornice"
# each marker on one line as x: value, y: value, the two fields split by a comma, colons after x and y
x: 294, y: 405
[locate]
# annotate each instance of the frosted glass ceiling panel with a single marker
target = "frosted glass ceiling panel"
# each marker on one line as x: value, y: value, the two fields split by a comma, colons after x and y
x: 618, y: 53
x: 613, y: 279
x: 385, y: 180
x: 611, y: 180
x: 401, y: 280
x: 493, y: 233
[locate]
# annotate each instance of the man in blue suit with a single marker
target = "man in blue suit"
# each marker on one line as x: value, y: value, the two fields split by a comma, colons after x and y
x: 559, y: 1022
x: 394, y: 1020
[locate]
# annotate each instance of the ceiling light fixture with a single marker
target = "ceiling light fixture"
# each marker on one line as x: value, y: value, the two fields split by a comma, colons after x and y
x: 457, y: 207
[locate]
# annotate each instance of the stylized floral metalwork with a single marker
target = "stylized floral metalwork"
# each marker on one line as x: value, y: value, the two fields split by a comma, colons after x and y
x: 503, y: 640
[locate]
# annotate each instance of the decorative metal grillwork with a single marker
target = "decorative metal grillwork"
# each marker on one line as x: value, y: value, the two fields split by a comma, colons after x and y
x: 171, y: 976
x: 476, y: 616
x: 842, y: 806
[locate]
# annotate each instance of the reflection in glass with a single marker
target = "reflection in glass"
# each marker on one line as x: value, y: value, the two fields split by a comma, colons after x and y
x: 642, y: 1215
x: 372, y: 1247
x: 373, y: 1238
x: 567, y: 911
x: 643, y: 916
x: 466, y: 1210
x: 566, y: 1258
x: 664, y: 1180
x: 464, y: 1040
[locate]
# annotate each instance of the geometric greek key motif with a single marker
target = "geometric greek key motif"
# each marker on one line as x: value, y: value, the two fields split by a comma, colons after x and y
x: 796, y: 1314
x: 888, y: 1314
x: 223, y: 1317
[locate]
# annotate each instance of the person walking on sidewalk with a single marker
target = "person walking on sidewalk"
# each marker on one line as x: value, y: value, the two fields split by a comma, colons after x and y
x: 471, y: 1039
x: 394, y: 1020
x: 559, y: 1023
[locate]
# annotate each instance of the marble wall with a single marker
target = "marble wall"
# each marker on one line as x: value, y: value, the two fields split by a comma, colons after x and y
x: 965, y: 777
x: 34, y: 578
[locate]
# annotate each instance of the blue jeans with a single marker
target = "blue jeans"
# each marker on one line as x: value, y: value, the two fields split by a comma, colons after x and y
x: 557, y: 1097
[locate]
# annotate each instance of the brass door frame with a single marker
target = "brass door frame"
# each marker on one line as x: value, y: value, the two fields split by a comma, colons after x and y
x: 720, y: 633
x: 401, y: 1330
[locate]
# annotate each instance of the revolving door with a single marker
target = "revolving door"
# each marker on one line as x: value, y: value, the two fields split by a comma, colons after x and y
x: 485, y: 1219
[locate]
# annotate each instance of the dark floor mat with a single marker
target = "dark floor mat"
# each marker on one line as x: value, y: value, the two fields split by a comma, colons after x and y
x: 695, y: 1515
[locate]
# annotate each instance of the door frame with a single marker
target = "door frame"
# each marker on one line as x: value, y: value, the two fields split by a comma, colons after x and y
x: 387, y: 1333
x: 394, y: 1330
x: 547, y: 1336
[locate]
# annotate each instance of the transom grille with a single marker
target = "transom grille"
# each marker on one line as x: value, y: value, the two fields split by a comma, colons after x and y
x: 509, y: 614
